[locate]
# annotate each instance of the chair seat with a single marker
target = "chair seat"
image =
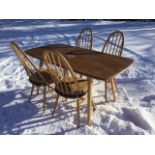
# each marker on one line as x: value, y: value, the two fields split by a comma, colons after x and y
x: 73, y: 90
x: 37, y: 80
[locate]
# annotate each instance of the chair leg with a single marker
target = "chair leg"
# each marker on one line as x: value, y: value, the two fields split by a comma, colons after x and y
x: 82, y: 100
x: 44, y: 99
x: 105, y: 87
x: 55, y: 105
x: 41, y: 64
x: 32, y: 88
x: 38, y: 90
x: 115, y: 85
x: 78, y: 113
x: 113, y: 90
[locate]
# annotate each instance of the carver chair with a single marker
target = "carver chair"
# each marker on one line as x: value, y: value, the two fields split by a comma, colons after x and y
x: 37, y: 77
x: 68, y: 85
x: 114, y: 46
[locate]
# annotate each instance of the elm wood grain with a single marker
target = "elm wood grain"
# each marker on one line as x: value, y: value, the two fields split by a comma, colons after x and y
x: 90, y: 63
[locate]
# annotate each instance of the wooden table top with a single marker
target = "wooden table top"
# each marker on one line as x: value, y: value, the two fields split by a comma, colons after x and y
x: 87, y: 62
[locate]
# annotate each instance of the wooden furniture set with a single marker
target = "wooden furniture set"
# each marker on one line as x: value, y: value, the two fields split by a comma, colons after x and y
x: 61, y: 62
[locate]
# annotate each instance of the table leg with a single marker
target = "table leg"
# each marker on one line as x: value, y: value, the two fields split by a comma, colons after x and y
x: 89, y: 100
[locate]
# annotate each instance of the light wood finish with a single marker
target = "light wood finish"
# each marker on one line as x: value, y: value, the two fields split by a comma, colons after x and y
x: 113, y: 46
x: 115, y: 84
x: 113, y: 89
x: 85, y: 39
x: 67, y: 84
x: 36, y: 77
x: 104, y: 65
x: 105, y: 86
x: 89, y: 98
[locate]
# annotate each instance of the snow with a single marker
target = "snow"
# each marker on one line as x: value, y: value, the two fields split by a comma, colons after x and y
x: 132, y: 113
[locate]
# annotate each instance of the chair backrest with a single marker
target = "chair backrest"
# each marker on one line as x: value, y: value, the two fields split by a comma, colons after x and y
x: 114, y: 44
x: 85, y: 39
x: 26, y: 62
x: 61, y: 71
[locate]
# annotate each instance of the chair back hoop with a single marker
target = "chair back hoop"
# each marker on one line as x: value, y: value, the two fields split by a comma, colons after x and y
x: 26, y: 62
x: 114, y: 44
x: 85, y: 39
x: 61, y: 71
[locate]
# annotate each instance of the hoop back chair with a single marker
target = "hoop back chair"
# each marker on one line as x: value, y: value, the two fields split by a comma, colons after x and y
x: 114, y: 46
x: 36, y: 77
x: 68, y: 85
x: 85, y: 39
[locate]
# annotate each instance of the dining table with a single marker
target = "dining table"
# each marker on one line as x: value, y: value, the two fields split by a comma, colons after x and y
x: 88, y: 62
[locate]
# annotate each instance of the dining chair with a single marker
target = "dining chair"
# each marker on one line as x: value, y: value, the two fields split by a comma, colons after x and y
x: 37, y: 77
x: 85, y: 38
x: 114, y: 46
x: 67, y: 85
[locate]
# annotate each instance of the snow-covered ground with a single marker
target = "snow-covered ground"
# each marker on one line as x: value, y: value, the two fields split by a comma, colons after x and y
x: 132, y: 113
